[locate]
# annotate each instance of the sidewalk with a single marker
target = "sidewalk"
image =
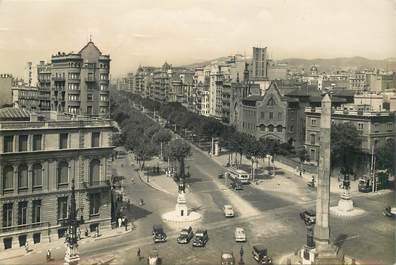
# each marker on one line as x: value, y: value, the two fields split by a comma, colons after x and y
x: 58, y: 245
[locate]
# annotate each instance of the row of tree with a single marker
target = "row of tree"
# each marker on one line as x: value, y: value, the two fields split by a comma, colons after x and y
x: 144, y: 136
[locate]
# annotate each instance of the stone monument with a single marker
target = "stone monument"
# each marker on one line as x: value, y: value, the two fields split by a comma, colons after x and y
x: 326, y: 253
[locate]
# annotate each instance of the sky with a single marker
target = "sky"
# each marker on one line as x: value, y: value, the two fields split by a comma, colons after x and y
x: 150, y: 32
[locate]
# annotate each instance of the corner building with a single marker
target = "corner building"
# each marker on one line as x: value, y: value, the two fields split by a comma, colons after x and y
x: 79, y: 82
x: 40, y: 155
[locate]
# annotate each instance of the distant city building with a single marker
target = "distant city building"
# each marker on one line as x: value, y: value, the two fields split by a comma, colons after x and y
x: 380, y: 82
x: 6, y: 83
x: 259, y: 64
x: 376, y: 128
x: 44, y: 85
x: 41, y: 153
x: 26, y: 97
x: 79, y: 82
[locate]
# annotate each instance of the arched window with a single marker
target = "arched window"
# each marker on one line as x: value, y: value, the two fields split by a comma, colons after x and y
x: 8, y: 177
x: 23, y: 176
x: 279, y: 128
x: 63, y: 172
x: 37, y: 175
x: 94, y: 172
x: 271, y: 128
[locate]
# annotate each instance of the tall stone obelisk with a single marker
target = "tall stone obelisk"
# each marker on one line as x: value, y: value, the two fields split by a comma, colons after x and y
x: 324, y: 249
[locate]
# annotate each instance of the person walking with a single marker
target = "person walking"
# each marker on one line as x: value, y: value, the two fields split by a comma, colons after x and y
x: 126, y: 224
x: 138, y: 254
x: 119, y: 222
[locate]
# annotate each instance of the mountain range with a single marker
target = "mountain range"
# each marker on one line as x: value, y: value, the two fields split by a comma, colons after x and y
x: 323, y: 64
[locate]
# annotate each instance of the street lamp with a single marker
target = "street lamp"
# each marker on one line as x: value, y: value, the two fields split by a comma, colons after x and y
x: 72, y: 256
x: 309, y: 219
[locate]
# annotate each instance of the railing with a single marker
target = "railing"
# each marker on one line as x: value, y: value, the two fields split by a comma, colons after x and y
x: 23, y: 227
x: 58, y: 78
x: 90, y: 79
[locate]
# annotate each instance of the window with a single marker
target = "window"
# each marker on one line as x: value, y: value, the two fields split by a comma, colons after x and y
x: 94, y: 172
x: 36, y: 211
x: 37, y: 142
x: 389, y: 126
x: 279, y: 128
x: 63, y: 138
x: 376, y: 127
x: 63, y: 173
x: 271, y: 115
x: 62, y: 208
x: 262, y: 114
x: 7, y: 214
x: 22, y: 212
x: 291, y: 129
x: 89, y: 110
x: 8, y: 143
x: 37, y: 175
x: 22, y: 177
x: 94, y: 203
x: 360, y: 126
x: 312, y: 138
x: 103, y: 87
x: 271, y: 128
x: 313, y: 122
x: 103, y: 98
x: 8, y: 177
x: 89, y: 97
x: 23, y: 143
x: 279, y: 115
x: 95, y: 139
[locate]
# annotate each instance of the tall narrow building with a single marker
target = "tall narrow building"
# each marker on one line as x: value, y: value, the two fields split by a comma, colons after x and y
x: 259, y: 64
x: 79, y: 82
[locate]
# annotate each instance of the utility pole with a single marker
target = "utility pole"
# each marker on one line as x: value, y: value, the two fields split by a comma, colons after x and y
x: 372, y: 169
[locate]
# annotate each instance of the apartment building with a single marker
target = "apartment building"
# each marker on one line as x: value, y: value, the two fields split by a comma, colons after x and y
x: 78, y: 84
x: 40, y: 155
x: 26, y: 97
x: 376, y: 127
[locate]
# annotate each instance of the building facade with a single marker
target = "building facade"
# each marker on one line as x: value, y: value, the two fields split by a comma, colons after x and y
x: 259, y: 64
x: 376, y: 128
x: 26, y: 97
x: 40, y: 155
x: 79, y: 82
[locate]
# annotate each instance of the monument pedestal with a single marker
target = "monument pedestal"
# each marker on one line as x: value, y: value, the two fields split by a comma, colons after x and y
x: 308, y: 255
x: 346, y: 203
x: 181, y: 205
x: 72, y: 256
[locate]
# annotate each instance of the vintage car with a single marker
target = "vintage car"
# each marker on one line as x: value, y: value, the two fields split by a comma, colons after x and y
x: 201, y: 238
x: 260, y: 254
x: 186, y: 234
x: 227, y: 258
x: 240, y: 235
x: 228, y: 211
x: 158, y: 234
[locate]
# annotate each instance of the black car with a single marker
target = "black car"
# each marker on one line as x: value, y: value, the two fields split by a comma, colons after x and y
x: 201, y: 238
x: 260, y: 254
x: 159, y: 234
x: 185, y: 235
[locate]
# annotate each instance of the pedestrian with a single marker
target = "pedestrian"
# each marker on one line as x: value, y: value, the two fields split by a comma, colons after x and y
x: 126, y: 224
x: 27, y: 246
x: 119, y: 222
x: 138, y: 254
x: 97, y: 232
x: 123, y: 220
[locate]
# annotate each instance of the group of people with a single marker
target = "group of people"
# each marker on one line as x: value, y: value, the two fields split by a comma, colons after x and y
x: 122, y: 221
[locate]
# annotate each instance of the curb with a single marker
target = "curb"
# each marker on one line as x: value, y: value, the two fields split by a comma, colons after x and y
x: 111, y: 236
x: 154, y: 187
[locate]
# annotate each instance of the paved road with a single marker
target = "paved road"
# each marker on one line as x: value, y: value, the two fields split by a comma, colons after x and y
x: 269, y: 218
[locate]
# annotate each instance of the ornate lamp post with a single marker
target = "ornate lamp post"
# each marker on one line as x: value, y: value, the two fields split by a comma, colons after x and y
x: 72, y: 256
x: 309, y: 219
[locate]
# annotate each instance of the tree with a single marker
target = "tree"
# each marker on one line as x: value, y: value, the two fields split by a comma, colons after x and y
x: 252, y: 151
x: 161, y: 137
x: 302, y: 154
x: 345, y: 145
x: 386, y: 157
x: 144, y: 150
x: 179, y: 150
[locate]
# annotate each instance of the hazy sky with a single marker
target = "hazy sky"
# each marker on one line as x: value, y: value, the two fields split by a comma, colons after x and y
x: 145, y: 32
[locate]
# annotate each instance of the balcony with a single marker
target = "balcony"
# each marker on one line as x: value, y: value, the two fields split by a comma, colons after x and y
x: 74, y: 80
x: 90, y: 79
x: 58, y: 78
x: 96, y: 184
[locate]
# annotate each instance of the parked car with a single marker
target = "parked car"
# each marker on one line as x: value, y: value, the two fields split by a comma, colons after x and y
x: 227, y: 258
x: 228, y: 211
x: 186, y: 234
x: 201, y: 238
x: 240, y: 235
x: 260, y: 254
x: 158, y: 234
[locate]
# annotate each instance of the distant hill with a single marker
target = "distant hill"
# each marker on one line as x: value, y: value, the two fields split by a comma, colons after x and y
x: 324, y: 65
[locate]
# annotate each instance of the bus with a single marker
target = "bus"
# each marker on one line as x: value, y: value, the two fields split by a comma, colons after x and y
x: 239, y: 174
